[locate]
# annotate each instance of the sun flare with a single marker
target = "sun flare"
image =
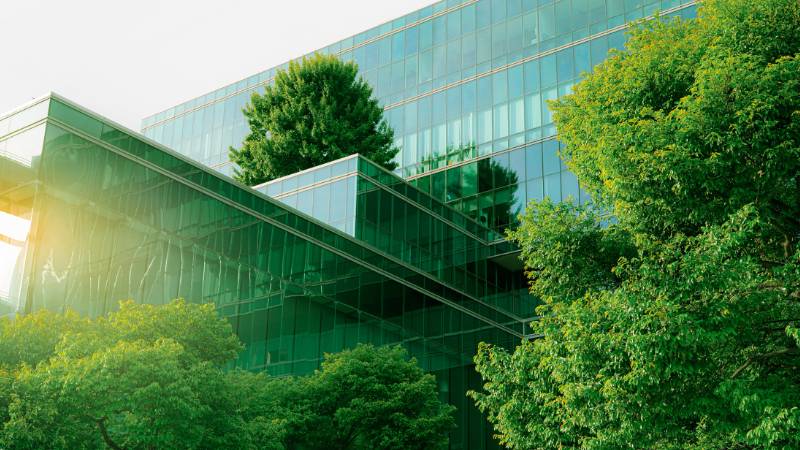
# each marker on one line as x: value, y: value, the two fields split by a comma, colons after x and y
x: 13, y: 233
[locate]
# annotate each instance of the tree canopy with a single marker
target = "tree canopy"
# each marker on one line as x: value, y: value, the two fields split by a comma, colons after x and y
x: 318, y: 110
x: 672, y: 305
x: 149, y: 377
x: 142, y: 377
x: 364, y: 398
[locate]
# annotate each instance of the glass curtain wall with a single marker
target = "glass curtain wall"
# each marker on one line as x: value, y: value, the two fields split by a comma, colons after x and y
x: 384, y: 212
x: 460, y: 82
x: 110, y: 216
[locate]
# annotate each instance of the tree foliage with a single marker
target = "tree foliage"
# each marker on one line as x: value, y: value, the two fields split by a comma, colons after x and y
x: 317, y: 111
x: 673, y: 321
x: 142, y: 377
x: 150, y: 377
x: 365, y: 398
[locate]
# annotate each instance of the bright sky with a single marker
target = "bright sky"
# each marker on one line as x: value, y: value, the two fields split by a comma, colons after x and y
x: 127, y: 59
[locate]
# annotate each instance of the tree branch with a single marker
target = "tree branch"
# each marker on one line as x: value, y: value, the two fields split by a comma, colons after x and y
x: 349, y: 437
x: 752, y: 359
x: 797, y: 319
x: 101, y: 423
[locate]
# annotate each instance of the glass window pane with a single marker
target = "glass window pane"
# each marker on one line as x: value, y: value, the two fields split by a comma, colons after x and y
x: 547, y: 23
x: 515, y: 83
x: 398, y: 46
x: 425, y: 35
x: 484, y: 126
x: 548, y: 70
x: 412, y: 41
x: 533, y: 111
x: 484, y: 92
x: 454, y: 24
x: 501, y: 121
x: 565, y: 65
x: 516, y: 116
x: 483, y: 13
x: 530, y: 29
x: 551, y: 161
x: 439, y: 30
x: 484, y: 41
x: 500, y: 87
x: 533, y: 161
x: 552, y: 187
x: 468, y: 19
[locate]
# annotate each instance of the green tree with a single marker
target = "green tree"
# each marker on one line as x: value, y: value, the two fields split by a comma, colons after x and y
x: 148, y: 377
x: 316, y: 111
x: 364, y: 398
x: 143, y: 377
x: 672, y: 321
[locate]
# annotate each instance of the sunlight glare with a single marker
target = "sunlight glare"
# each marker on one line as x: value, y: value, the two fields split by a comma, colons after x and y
x: 16, y: 229
x: 8, y: 262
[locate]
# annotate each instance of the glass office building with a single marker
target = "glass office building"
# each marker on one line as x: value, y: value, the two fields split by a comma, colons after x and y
x: 464, y: 84
x: 92, y: 213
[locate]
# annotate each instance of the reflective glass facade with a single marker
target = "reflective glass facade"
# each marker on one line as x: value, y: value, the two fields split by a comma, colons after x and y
x: 346, y: 252
x: 464, y: 85
x: 384, y: 212
x: 92, y: 213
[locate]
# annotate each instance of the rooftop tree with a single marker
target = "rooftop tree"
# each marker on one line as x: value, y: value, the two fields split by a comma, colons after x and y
x: 318, y: 110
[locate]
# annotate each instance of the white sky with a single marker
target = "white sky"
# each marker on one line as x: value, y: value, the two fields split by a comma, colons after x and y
x: 129, y: 59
